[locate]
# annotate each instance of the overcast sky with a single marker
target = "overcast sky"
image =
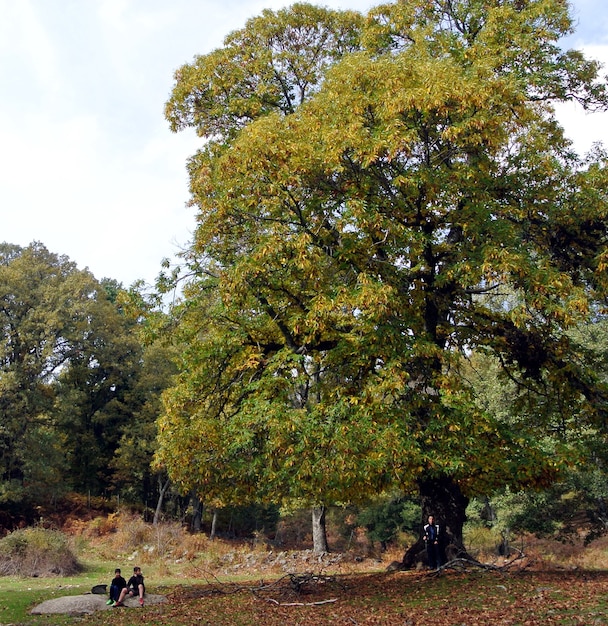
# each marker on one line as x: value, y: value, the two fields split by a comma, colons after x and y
x: 88, y: 165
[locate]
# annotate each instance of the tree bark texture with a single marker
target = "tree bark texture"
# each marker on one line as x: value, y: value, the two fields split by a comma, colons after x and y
x: 319, y: 531
x: 197, y: 514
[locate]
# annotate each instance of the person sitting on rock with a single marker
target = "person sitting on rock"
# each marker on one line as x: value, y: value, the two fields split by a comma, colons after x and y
x: 116, y: 586
x: 135, y: 587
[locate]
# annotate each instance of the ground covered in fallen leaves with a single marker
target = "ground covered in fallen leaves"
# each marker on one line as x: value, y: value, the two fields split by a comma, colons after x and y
x: 451, y: 598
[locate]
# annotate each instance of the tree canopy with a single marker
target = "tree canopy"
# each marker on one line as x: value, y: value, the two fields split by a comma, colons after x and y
x: 78, y: 387
x: 363, y: 232
x: 53, y: 317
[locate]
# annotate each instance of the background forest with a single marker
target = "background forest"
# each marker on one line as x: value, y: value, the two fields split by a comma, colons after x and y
x: 393, y: 304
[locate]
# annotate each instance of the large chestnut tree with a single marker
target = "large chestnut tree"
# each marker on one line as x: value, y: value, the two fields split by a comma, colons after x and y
x: 378, y: 197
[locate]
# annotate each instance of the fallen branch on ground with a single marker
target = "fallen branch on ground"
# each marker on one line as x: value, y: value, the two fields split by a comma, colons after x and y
x: 297, y: 585
x: 273, y: 601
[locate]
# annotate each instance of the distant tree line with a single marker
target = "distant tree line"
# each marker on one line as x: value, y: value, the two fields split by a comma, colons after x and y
x: 80, y: 384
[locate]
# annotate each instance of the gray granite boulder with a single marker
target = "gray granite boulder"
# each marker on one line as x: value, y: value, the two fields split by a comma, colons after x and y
x: 89, y: 603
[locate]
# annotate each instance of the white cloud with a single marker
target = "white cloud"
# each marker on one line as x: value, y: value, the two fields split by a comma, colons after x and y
x: 586, y: 128
x: 44, y: 162
x: 26, y: 46
x: 590, y: 22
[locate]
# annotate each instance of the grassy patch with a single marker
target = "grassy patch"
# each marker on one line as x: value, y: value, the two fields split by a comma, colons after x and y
x: 18, y: 595
x: 16, y: 605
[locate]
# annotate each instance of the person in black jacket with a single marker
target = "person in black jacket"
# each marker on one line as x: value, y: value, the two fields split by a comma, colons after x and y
x: 116, y: 586
x: 431, y: 539
x: 135, y: 587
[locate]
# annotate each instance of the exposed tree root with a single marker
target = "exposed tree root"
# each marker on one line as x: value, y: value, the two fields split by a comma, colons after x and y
x: 468, y: 562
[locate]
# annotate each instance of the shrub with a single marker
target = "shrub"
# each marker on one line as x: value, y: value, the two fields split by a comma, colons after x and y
x: 37, y: 552
x: 385, y: 519
x: 244, y: 521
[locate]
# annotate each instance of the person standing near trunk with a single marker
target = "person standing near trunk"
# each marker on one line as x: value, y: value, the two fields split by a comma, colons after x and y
x: 431, y: 540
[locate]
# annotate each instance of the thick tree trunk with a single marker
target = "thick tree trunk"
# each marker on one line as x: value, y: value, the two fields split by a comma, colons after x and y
x: 442, y: 498
x: 319, y: 531
x: 197, y: 514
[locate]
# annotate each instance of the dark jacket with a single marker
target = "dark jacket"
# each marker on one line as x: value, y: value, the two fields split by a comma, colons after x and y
x: 431, y: 533
x: 135, y: 581
x: 119, y: 582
